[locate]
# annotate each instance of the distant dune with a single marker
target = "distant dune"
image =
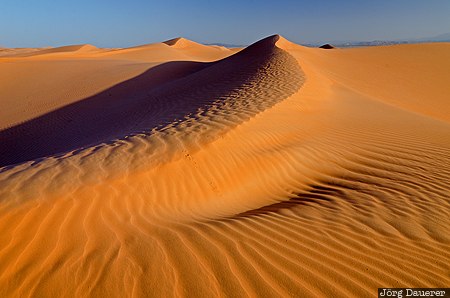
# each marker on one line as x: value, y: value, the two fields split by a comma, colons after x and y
x: 181, y: 169
x: 181, y: 42
x: 84, y: 48
x: 74, y: 48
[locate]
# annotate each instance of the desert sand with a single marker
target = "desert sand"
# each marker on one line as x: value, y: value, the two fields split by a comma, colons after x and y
x: 180, y: 169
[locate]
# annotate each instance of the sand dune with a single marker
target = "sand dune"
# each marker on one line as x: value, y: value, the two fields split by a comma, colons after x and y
x: 171, y: 50
x: 64, y: 50
x: 73, y: 48
x: 278, y: 170
x: 8, y: 52
x: 180, y: 42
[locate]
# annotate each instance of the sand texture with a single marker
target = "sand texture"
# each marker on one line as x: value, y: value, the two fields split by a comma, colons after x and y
x: 180, y: 169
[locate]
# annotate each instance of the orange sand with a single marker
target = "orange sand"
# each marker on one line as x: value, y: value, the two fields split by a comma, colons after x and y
x: 179, y: 169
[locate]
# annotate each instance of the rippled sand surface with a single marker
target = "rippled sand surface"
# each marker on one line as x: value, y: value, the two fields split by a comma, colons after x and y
x: 179, y: 169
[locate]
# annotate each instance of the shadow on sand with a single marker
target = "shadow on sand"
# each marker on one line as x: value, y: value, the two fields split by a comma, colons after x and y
x: 107, y: 115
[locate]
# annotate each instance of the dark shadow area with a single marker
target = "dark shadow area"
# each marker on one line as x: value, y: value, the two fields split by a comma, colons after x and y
x: 104, y: 116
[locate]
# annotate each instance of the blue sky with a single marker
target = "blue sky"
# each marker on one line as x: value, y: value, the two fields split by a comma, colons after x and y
x: 113, y: 23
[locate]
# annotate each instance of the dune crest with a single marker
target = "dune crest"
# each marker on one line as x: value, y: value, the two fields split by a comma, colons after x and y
x: 76, y: 48
x: 83, y: 48
x: 285, y: 44
x: 180, y: 42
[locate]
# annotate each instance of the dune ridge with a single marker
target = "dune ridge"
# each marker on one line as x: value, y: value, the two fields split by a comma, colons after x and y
x: 272, y: 172
x: 64, y: 50
x: 175, y: 105
x: 180, y: 42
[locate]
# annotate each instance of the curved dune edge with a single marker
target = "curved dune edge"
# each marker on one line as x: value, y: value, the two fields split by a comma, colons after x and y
x: 310, y: 197
x: 183, y: 114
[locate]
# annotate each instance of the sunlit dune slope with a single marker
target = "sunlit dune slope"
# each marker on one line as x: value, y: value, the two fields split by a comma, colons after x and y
x: 411, y: 76
x: 279, y: 170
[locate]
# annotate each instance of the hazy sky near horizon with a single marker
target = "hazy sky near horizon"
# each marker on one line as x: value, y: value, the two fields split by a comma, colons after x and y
x: 113, y: 23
